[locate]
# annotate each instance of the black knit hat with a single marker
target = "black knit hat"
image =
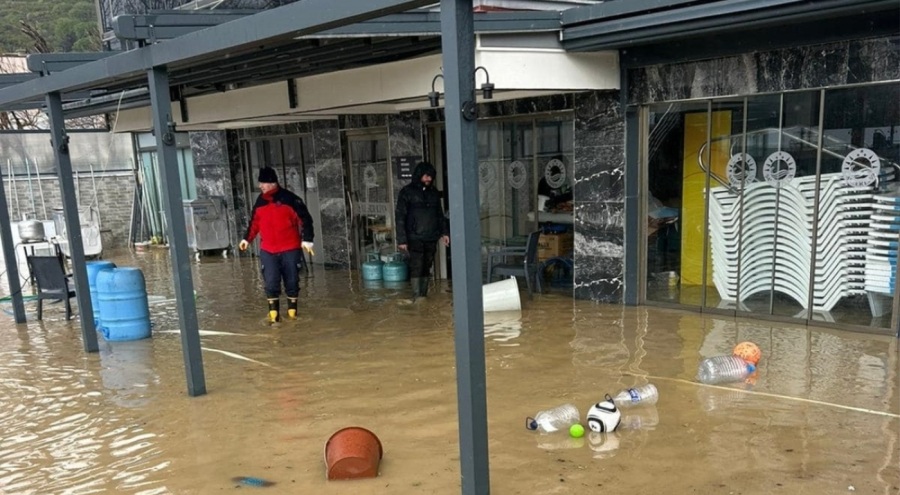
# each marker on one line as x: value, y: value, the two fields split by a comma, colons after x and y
x: 267, y: 175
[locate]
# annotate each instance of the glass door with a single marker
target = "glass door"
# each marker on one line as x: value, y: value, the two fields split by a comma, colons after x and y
x: 525, y: 173
x: 292, y: 159
x: 371, y: 196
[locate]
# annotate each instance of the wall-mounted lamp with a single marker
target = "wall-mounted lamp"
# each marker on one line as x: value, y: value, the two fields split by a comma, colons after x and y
x: 487, y: 89
x: 434, y: 98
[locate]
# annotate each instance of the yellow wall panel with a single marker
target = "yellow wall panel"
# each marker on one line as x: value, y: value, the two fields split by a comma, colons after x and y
x: 693, y: 203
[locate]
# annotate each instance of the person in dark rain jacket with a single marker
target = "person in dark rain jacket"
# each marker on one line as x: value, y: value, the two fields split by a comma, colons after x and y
x: 420, y: 225
x: 285, y: 227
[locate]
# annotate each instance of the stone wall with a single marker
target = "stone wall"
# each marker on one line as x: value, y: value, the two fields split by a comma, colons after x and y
x: 113, y: 201
x: 803, y: 67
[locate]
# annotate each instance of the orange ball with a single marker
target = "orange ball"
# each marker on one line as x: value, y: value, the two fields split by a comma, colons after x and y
x: 748, y: 351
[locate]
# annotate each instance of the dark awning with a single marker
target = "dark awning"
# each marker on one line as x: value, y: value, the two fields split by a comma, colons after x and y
x: 654, y: 31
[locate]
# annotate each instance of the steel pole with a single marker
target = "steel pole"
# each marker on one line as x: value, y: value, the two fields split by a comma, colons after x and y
x: 60, y: 143
x: 458, y: 47
x: 164, y: 128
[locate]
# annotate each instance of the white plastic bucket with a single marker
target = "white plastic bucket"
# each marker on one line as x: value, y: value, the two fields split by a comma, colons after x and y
x: 501, y: 296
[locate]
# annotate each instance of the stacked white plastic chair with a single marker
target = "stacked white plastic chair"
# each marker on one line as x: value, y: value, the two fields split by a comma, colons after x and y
x: 775, y: 236
x: 882, y: 252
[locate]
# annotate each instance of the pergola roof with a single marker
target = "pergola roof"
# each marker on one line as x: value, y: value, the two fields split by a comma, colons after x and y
x: 211, y: 52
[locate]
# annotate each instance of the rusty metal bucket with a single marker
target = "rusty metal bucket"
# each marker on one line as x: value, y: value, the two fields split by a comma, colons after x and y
x: 352, y: 452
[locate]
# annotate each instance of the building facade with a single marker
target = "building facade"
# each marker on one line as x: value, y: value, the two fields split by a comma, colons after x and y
x: 730, y: 170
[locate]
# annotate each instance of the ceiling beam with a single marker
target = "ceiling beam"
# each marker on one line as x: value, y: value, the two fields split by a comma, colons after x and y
x: 243, y: 35
x: 164, y: 25
x: 48, y: 63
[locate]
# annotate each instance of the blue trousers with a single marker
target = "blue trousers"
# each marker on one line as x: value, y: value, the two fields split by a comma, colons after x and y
x: 281, y: 267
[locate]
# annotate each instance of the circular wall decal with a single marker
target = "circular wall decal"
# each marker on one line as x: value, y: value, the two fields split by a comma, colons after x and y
x: 516, y: 174
x: 486, y: 174
x: 860, y: 168
x: 779, y: 167
x: 741, y: 170
x: 555, y: 173
x: 370, y: 176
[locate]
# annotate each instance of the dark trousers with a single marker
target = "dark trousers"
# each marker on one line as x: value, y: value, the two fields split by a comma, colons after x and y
x: 421, y: 258
x: 282, y: 266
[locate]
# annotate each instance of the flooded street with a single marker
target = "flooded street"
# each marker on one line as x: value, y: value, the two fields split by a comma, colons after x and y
x: 821, y: 416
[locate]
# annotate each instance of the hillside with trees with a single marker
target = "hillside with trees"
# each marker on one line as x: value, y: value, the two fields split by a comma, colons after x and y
x: 32, y: 26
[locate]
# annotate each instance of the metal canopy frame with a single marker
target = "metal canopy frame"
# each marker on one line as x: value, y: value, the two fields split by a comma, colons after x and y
x: 267, y: 29
x: 150, y: 67
x: 167, y: 24
x: 614, y: 25
x: 383, y: 39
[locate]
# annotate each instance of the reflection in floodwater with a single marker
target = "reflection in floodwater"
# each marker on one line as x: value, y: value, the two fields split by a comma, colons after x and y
x: 503, y: 326
x: 823, y: 413
x: 639, y: 418
x: 603, y: 445
x: 127, y: 371
x: 558, y: 441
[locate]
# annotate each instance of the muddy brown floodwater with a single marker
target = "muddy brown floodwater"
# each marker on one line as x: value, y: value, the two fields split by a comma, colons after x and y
x: 822, y: 415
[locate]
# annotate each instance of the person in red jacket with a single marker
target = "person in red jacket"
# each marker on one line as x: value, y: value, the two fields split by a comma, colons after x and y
x: 285, y: 227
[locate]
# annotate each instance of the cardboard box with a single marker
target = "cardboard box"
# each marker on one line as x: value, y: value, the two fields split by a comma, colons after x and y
x: 553, y: 245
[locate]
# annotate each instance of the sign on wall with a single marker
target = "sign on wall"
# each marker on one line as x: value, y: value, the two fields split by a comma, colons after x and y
x: 404, y: 166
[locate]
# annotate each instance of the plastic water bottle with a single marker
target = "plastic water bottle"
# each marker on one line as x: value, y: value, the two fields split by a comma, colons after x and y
x: 723, y: 369
x: 559, y: 418
x: 643, y: 395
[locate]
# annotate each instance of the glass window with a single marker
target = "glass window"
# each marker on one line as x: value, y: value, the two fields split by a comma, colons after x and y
x: 525, y: 171
x: 859, y: 206
x: 803, y: 202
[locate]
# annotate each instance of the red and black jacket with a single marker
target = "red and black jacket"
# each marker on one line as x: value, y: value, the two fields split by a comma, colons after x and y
x: 282, y: 221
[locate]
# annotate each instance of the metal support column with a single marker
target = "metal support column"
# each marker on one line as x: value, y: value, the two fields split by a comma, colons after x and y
x: 164, y: 128
x: 635, y: 252
x: 458, y: 46
x: 9, y: 255
x: 60, y: 144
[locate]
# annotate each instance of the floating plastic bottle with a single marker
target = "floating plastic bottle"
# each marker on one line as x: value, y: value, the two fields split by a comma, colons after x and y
x: 643, y: 395
x: 559, y: 418
x: 723, y: 369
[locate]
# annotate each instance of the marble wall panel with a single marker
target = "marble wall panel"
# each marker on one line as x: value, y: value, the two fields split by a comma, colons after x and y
x: 802, y: 67
x: 362, y: 121
x: 329, y: 172
x: 241, y: 203
x: 599, y: 194
x: 405, y: 138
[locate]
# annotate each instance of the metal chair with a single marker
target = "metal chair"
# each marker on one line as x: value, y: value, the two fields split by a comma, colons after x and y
x: 527, y: 266
x: 52, y: 282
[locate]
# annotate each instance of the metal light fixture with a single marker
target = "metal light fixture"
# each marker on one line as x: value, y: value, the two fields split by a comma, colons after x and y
x: 434, y: 98
x: 487, y: 89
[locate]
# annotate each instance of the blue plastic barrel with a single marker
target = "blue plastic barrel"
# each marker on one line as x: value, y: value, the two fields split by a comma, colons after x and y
x: 122, y: 294
x: 93, y: 268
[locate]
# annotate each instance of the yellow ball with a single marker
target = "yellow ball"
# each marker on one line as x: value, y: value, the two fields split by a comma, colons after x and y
x: 748, y: 351
x: 577, y: 431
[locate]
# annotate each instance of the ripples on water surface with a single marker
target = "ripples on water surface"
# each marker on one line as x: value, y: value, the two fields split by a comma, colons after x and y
x: 120, y: 421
